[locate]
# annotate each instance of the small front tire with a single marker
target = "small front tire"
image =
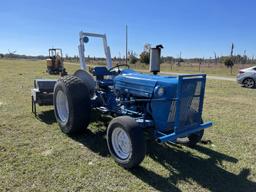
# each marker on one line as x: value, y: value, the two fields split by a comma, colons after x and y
x: 194, y: 138
x: 126, y: 142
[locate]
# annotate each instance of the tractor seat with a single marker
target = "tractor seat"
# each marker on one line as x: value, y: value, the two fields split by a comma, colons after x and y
x: 105, y: 82
x: 100, y: 72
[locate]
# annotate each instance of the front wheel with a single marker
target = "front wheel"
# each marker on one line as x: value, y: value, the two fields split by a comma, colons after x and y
x: 194, y: 138
x: 126, y: 142
x: 249, y: 83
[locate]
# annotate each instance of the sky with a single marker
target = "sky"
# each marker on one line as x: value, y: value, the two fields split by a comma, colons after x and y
x: 196, y: 28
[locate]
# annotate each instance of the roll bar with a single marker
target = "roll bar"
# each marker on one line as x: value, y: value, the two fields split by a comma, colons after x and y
x: 81, y: 49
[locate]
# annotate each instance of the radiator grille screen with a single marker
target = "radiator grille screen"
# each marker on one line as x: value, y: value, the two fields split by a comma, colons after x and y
x: 191, y: 94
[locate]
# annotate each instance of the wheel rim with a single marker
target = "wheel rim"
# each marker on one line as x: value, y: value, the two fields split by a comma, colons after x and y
x: 62, y: 106
x: 121, y: 143
x: 249, y: 83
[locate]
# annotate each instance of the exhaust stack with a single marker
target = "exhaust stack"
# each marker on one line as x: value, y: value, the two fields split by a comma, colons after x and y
x: 155, y: 58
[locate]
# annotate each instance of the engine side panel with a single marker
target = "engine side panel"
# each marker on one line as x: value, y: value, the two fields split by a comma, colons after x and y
x: 161, y: 106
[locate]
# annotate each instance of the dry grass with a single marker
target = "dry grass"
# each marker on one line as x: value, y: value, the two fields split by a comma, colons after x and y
x: 36, y: 156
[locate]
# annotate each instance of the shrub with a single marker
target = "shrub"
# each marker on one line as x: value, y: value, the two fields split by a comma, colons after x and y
x: 144, y: 57
x: 133, y: 59
x: 228, y: 62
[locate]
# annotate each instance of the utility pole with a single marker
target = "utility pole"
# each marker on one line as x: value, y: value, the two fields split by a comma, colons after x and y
x: 215, y: 58
x: 126, y: 43
x: 232, y: 50
x: 245, y: 57
x: 199, y: 66
x: 231, y: 56
x: 179, y: 60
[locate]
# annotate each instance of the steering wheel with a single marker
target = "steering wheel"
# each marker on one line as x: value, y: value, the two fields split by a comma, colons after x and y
x: 116, y: 69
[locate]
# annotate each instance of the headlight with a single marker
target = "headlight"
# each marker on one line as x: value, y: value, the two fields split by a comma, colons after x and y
x: 160, y: 91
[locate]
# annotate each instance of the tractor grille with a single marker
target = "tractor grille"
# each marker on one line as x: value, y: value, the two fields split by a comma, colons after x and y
x: 186, y: 111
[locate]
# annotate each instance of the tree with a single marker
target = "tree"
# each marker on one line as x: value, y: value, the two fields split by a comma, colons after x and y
x: 132, y: 56
x: 133, y: 59
x: 144, y: 57
x: 229, y: 63
x: 147, y: 47
x: 1, y: 55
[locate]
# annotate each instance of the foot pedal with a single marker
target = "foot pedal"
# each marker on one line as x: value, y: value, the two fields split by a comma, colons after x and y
x: 102, y: 109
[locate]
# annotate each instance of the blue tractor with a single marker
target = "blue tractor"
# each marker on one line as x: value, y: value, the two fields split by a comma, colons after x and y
x: 168, y: 107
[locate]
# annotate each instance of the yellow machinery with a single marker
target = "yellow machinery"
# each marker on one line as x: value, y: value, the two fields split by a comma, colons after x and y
x: 55, y: 62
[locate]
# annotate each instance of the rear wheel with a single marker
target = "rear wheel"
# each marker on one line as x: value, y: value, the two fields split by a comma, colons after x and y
x: 87, y: 79
x: 72, y: 104
x: 249, y: 83
x: 125, y: 141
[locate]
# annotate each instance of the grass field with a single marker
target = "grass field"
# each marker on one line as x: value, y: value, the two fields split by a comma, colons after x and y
x: 36, y: 156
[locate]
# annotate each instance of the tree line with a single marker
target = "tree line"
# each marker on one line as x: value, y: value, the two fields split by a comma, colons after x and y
x: 144, y: 57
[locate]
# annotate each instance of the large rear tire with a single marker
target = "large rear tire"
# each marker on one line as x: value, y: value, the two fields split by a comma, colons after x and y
x: 87, y: 79
x: 72, y: 104
x: 126, y: 142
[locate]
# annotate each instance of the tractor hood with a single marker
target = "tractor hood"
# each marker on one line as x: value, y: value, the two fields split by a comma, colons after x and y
x: 174, y: 101
x: 143, y: 85
x: 160, y: 89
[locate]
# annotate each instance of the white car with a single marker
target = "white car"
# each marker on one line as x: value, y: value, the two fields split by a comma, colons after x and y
x: 247, y: 77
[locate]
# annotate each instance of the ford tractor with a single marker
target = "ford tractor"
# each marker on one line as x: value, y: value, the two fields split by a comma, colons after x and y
x: 167, y: 107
